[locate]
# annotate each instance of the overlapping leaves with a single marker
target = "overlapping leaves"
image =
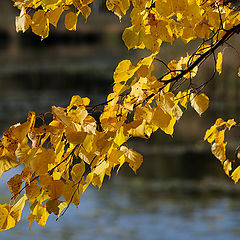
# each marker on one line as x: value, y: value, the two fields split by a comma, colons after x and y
x: 62, y: 158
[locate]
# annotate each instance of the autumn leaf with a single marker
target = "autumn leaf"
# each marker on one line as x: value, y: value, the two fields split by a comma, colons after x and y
x: 236, y: 174
x: 71, y: 21
x: 23, y: 21
x: 14, y: 185
x: 40, y: 24
x: 199, y: 102
x: 10, y: 215
x: 219, y: 63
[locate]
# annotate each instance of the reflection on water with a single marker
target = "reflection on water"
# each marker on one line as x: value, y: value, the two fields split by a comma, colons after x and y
x: 135, y: 209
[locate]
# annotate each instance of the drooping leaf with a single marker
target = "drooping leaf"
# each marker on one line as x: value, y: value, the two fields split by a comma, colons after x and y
x: 199, y: 102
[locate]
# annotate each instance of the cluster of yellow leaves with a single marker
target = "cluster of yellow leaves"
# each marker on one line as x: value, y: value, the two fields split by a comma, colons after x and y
x: 39, y: 14
x: 157, y: 21
x: 153, y: 21
x: 11, y: 214
x: 216, y: 136
x: 62, y: 158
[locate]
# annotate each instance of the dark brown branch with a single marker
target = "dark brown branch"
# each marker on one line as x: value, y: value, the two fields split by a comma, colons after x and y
x: 229, y: 33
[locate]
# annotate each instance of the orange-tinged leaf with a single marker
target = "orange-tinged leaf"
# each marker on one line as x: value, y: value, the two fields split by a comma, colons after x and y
x: 55, y: 206
x: 72, y: 192
x: 41, y: 159
x: 160, y: 118
x: 199, y: 102
x: 33, y: 191
x: 76, y: 137
x: 40, y: 24
x: 203, y: 30
x: 170, y: 128
x: 15, y: 184
x: 26, y: 174
x: 71, y: 21
x: 115, y: 156
x: 54, y: 15
x: 54, y: 188
x: 86, y: 11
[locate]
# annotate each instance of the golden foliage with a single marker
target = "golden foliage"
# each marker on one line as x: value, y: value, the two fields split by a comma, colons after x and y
x: 61, y: 159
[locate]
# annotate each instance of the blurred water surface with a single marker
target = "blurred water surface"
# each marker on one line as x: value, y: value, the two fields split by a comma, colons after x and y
x: 135, y: 209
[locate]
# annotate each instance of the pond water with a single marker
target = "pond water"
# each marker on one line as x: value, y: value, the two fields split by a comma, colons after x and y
x: 137, y: 209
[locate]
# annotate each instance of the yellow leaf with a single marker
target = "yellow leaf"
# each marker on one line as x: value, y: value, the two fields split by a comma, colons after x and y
x: 7, y: 163
x: 101, y: 168
x: 227, y: 166
x: 170, y: 128
x: 41, y: 215
x: 60, y: 115
x: 211, y: 133
x: 72, y: 192
x: 219, y: 151
x: 136, y: 128
x: 219, y: 63
x: 50, y: 4
x: 182, y: 97
x: 71, y: 21
x: 54, y: 16
x: 230, y: 123
x: 40, y: 24
x: 3, y: 217
x: 133, y: 158
x: 160, y: 118
x: 41, y: 159
x: 115, y: 155
x: 132, y: 37
x: 199, y: 102
x: 86, y: 11
x: 118, y: 7
x: 78, y: 171
x: 120, y: 137
x: 16, y: 210
x: 124, y: 71
x: 152, y: 43
x: 75, y: 137
x: 11, y: 215
x: 202, y: 30
x: 236, y: 174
